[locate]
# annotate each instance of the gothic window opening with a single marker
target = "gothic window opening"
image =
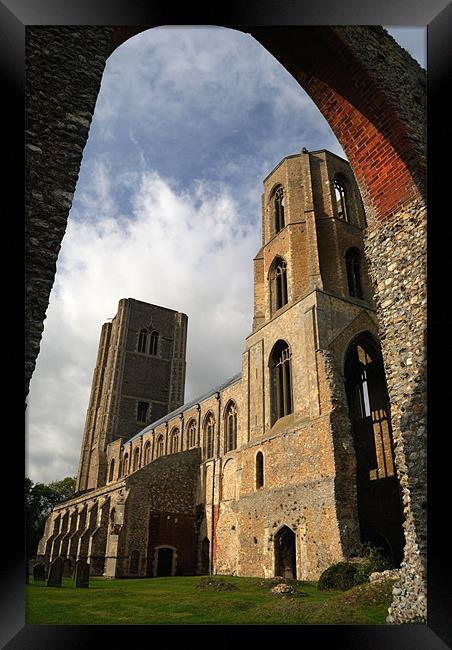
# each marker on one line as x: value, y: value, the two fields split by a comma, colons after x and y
x: 341, y: 196
x: 259, y: 470
x: 160, y: 446
x: 378, y: 491
x: 230, y: 428
x: 142, y: 341
x: 278, y: 208
x: 209, y: 429
x: 112, y: 470
x: 353, y: 267
x: 278, y: 284
x: 281, y: 381
x: 125, y: 465
x: 153, y: 343
x: 142, y: 412
x: 174, y: 441
x: 147, y: 452
x: 136, y: 459
x: 191, y: 434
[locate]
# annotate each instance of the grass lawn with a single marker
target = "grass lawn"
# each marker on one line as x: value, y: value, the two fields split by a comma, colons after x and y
x: 177, y: 600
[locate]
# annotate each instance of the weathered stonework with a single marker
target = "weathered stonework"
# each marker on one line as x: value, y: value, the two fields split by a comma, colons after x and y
x: 398, y: 270
x: 64, y: 67
x: 354, y: 75
x: 132, y: 383
x: 278, y: 493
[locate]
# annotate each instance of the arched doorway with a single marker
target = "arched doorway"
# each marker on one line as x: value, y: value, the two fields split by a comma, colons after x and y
x: 378, y: 492
x: 285, y: 553
x: 165, y: 561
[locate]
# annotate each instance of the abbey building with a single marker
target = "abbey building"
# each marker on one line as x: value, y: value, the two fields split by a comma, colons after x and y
x: 285, y: 468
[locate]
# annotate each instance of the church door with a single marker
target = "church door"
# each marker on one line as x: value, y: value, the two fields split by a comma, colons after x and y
x: 165, y: 561
x: 285, y: 554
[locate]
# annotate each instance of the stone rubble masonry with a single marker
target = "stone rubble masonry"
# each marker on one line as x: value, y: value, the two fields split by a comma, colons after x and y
x: 64, y: 67
x: 398, y: 269
x: 123, y: 376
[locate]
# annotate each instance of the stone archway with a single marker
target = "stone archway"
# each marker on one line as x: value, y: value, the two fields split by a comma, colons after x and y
x: 354, y: 75
x: 285, y: 553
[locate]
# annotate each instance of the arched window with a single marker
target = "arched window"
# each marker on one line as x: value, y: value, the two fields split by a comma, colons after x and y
x: 160, y: 446
x: 147, y: 453
x: 280, y: 381
x: 378, y: 491
x: 278, y: 284
x: 341, y: 195
x: 112, y: 470
x: 174, y: 441
x: 191, y: 434
x: 142, y: 340
x: 353, y: 266
x: 125, y: 465
x: 136, y: 459
x: 153, y: 344
x: 278, y: 208
x: 230, y: 427
x: 259, y: 470
x: 209, y: 430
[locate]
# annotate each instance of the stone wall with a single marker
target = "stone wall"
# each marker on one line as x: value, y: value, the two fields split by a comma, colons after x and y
x: 397, y: 254
x: 64, y: 67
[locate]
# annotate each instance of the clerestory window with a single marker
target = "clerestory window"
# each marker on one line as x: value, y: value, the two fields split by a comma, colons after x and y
x: 230, y: 428
x: 209, y: 429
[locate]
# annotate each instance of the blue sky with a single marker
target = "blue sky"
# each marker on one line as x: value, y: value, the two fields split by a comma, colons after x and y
x: 167, y: 210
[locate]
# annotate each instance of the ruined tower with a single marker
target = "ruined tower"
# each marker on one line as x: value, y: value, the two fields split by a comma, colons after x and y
x: 139, y: 377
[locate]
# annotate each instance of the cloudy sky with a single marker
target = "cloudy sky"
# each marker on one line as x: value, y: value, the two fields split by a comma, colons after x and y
x: 167, y: 210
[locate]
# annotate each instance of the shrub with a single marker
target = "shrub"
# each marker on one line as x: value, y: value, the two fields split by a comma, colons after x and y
x: 345, y: 575
x: 338, y: 576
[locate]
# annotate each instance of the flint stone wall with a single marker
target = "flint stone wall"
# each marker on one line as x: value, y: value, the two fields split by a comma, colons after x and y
x: 397, y: 252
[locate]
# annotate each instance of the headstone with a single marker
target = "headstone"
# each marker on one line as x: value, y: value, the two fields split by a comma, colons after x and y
x: 67, y: 568
x: 55, y: 573
x: 82, y: 574
x: 39, y: 572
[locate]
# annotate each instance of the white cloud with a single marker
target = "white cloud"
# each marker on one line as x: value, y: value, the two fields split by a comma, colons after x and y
x: 186, y: 251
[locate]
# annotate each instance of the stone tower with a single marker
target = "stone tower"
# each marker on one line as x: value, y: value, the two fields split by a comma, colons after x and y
x: 312, y: 356
x: 139, y: 377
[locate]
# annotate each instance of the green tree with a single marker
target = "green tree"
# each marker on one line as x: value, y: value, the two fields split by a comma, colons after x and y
x: 40, y: 498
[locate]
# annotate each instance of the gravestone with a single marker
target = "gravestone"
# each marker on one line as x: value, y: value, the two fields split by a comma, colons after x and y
x: 82, y: 574
x: 67, y: 568
x: 39, y: 572
x: 55, y: 573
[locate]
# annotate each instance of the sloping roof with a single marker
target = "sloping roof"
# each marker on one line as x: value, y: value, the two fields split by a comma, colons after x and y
x: 186, y: 406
